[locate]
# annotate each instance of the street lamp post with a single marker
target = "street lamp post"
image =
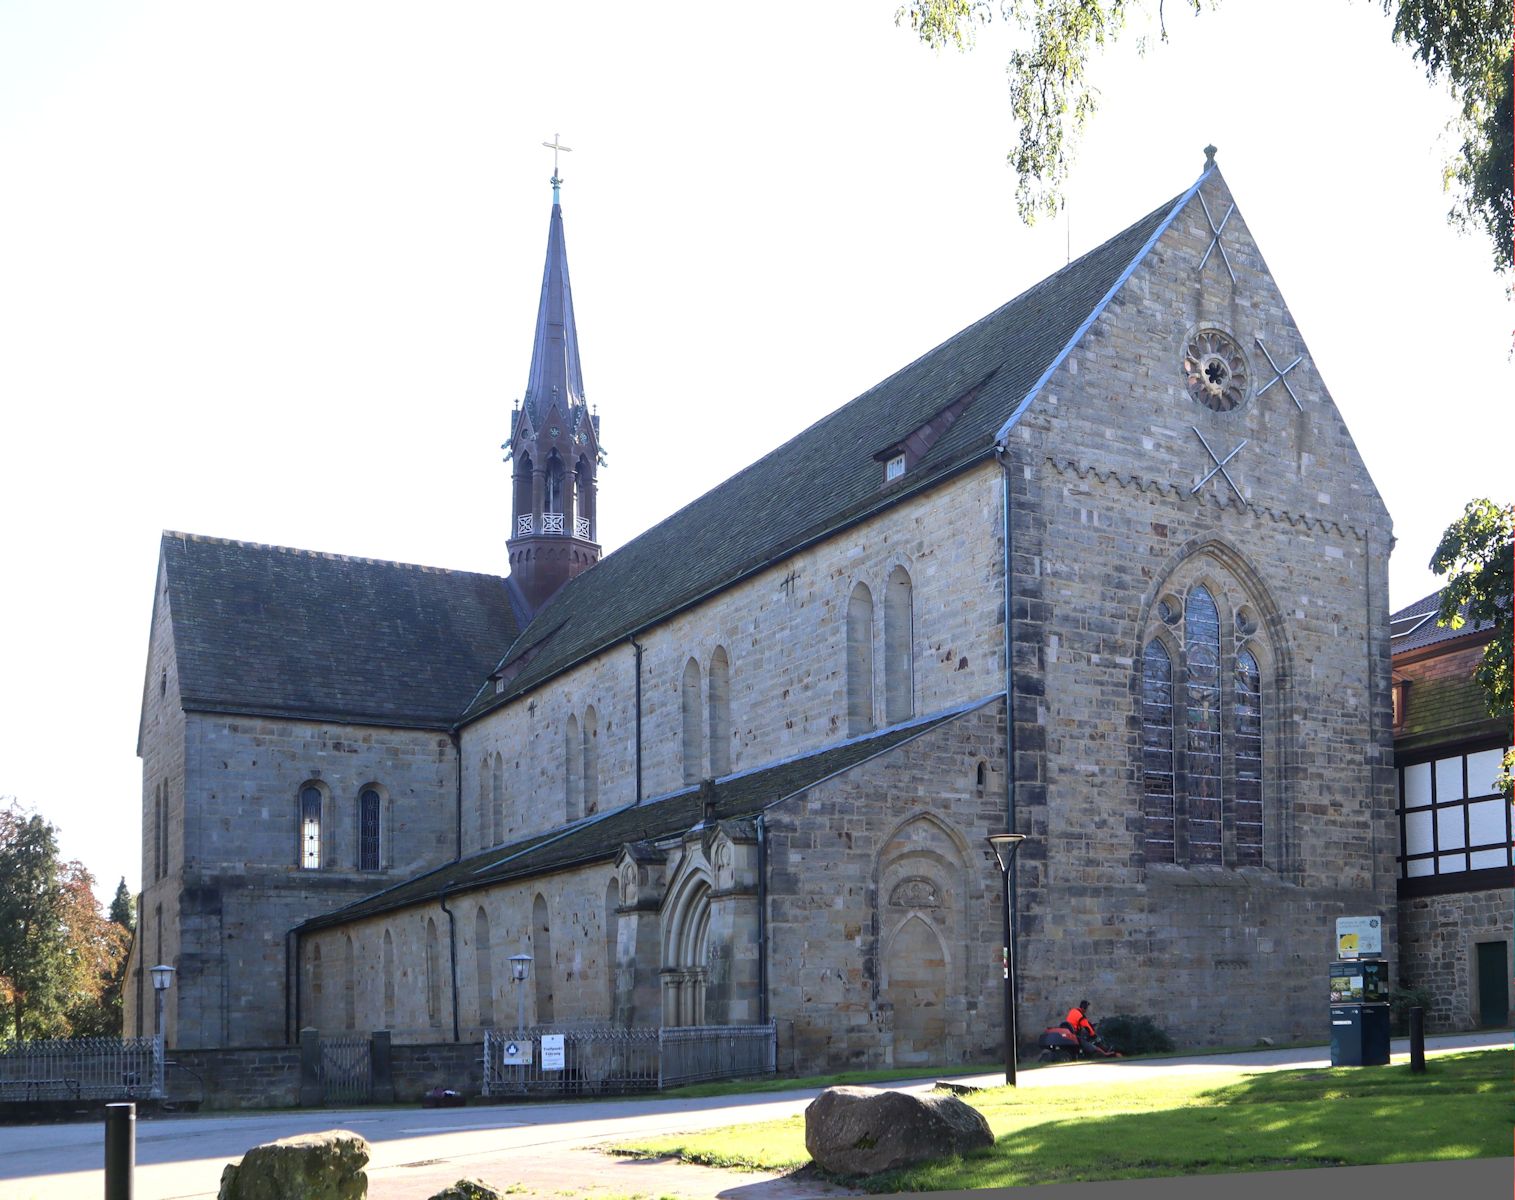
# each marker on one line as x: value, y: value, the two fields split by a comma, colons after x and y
x: 1004, y: 846
x: 163, y: 979
x: 520, y: 968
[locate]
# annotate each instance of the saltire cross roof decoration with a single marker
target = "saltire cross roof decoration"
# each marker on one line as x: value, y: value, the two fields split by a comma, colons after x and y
x: 1279, y: 374
x: 1220, y: 465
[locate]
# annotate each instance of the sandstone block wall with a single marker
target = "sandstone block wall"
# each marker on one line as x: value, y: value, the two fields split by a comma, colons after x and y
x: 1106, y: 522
x: 784, y: 632
x: 1438, y: 951
x: 884, y: 907
x: 239, y: 888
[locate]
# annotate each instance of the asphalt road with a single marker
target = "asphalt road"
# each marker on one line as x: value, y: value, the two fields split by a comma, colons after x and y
x: 545, y: 1149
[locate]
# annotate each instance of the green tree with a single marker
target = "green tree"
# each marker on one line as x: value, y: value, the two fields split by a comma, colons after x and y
x: 34, y: 963
x: 123, y: 908
x: 1477, y: 554
x: 1463, y: 45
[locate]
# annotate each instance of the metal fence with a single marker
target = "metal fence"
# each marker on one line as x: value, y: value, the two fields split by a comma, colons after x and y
x: 82, y: 1069
x: 698, y: 1053
x: 600, y: 1060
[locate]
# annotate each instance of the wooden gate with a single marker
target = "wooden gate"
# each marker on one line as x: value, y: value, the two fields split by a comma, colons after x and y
x: 346, y: 1070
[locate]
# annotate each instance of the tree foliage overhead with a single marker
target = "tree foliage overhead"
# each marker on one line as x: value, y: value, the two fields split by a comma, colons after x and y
x: 1463, y: 45
x: 1477, y: 553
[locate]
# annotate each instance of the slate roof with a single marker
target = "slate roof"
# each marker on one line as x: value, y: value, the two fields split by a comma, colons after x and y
x: 1415, y: 627
x: 599, y: 838
x: 282, y: 632
x: 827, y: 476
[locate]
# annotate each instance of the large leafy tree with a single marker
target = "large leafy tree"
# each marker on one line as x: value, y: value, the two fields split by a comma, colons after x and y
x: 34, y: 962
x: 1463, y: 45
x: 61, y: 958
x: 1477, y: 555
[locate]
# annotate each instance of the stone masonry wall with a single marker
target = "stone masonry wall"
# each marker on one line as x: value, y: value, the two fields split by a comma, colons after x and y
x: 884, y: 908
x: 784, y: 631
x: 261, y: 1077
x: 1108, y: 521
x: 569, y: 983
x: 1438, y: 940
x: 161, y: 740
x: 241, y: 888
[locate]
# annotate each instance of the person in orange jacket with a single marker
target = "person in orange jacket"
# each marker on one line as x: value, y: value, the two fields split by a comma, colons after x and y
x: 1077, y: 1022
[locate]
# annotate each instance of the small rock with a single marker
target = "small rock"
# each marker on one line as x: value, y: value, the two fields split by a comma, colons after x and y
x: 862, y: 1131
x: 313, y: 1166
x: 1264, y: 1041
x: 469, y: 1189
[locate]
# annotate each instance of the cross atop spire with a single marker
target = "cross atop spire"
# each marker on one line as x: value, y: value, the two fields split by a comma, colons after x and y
x: 556, y: 145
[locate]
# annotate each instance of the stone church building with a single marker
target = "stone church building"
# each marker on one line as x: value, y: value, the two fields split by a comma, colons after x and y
x: 1105, y: 569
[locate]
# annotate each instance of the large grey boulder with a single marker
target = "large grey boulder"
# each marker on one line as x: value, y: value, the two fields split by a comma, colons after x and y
x: 313, y: 1166
x: 861, y: 1131
x: 469, y: 1189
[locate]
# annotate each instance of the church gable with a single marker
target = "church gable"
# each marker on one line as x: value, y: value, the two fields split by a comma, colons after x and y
x: 1194, y: 381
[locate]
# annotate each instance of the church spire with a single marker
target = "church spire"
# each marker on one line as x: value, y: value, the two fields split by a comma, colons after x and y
x: 555, y: 367
x: 554, y: 440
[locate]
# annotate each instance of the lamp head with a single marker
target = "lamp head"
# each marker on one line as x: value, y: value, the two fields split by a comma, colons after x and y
x: 520, y: 967
x: 163, y: 977
x: 1004, y: 846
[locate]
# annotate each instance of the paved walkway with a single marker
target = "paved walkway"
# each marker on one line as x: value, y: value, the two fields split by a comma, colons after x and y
x: 582, y: 1170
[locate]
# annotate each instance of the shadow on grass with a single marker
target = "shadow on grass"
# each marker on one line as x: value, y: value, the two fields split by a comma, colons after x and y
x: 1461, y: 1108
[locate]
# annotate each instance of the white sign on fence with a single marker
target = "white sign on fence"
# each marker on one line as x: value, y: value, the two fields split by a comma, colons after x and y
x: 1358, y: 937
x: 552, y: 1052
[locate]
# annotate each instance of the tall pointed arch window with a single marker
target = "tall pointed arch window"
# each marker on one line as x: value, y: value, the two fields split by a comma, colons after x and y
x: 370, y: 811
x: 1246, y: 714
x: 310, y: 827
x: 591, y: 782
x: 1202, y: 698
x: 1157, y: 752
x: 496, y: 820
x: 860, y: 661
x: 573, y: 791
x: 720, y: 713
x: 899, y: 648
x: 1202, y: 735
x: 693, y: 741
x: 552, y: 485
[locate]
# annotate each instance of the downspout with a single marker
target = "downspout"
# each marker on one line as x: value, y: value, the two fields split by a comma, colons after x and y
x: 762, y: 963
x: 456, y: 737
x: 452, y: 965
x: 637, y: 646
x: 1002, y: 456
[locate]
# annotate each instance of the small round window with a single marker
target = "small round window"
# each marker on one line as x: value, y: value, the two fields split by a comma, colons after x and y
x: 1216, y: 370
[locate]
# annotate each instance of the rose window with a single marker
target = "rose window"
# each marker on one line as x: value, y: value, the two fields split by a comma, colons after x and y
x: 1216, y: 370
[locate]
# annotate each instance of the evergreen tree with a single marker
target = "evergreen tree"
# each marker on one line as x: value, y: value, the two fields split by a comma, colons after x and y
x: 123, y: 908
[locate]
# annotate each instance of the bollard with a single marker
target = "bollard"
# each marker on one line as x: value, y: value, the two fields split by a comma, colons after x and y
x: 1417, y: 1039
x: 120, y: 1150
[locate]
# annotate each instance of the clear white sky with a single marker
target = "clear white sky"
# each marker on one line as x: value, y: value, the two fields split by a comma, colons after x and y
x: 268, y: 271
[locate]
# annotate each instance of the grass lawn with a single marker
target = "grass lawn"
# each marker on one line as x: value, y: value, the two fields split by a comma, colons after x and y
x: 1462, y: 1107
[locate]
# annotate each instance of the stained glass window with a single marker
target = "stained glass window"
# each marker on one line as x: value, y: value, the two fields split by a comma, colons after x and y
x: 1157, y: 752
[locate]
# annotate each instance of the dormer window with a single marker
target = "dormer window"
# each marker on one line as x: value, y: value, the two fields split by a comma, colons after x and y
x: 894, y: 468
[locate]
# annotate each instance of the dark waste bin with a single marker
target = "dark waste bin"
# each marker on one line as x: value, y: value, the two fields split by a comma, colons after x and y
x: 1359, y: 1035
